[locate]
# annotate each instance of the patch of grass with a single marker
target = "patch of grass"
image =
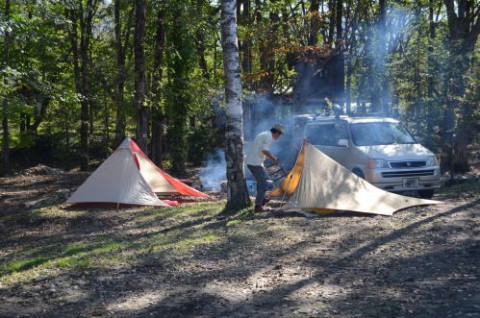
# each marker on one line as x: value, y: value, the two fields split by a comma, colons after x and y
x: 72, y: 262
x: 21, y: 265
x: 107, y: 248
x: 74, y: 249
x: 179, y: 230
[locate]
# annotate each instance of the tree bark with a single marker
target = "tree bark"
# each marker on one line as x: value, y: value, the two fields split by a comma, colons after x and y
x: 80, y: 83
x: 245, y: 46
x: 121, y: 108
x: 5, y: 127
x: 340, y: 60
x: 237, y: 194
x: 158, y: 115
x: 314, y: 22
x: 382, y: 49
x: 464, y: 28
x: 81, y: 61
x: 139, y: 99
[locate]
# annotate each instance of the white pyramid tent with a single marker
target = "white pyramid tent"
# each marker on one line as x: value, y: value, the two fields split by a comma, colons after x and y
x: 127, y: 176
x: 319, y: 184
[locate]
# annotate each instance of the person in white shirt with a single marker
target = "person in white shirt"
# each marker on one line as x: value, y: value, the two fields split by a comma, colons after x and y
x: 257, y: 153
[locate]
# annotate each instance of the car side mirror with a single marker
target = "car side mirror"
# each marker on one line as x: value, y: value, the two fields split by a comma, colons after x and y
x: 343, y: 142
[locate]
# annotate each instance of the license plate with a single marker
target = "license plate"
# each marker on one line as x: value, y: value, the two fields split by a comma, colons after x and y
x: 410, y: 183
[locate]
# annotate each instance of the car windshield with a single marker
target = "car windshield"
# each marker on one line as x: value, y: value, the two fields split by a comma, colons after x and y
x: 380, y: 133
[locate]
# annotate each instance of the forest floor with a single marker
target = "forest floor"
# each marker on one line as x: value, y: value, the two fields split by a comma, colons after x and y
x: 58, y: 261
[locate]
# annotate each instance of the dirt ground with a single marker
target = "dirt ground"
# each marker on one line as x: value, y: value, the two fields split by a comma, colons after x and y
x: 420, y: 262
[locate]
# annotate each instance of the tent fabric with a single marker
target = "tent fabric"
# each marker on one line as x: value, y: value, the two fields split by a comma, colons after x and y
x: 317, y: 183
x: 159, y: 180
x: 127, y: 176
x: 288, y: 186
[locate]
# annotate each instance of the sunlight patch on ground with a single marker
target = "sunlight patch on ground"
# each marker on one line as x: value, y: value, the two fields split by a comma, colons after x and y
x: 136, y: 302
x: 224, y: 290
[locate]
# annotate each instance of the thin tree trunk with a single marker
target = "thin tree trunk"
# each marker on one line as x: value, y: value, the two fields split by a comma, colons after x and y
x: 120, y: 124
x: 201, y: 48
x: 348, y: 90
x: 5, y: 128
x: 141, y: 131
x: 430, y: 61
x: 158, y: 116
x: 237, y: 194
x: 80, y: 63
x: 382, y: 47
x: 246, y: 45
x: 332, y: 17
x: 340, y: 64
x: 314, y: 22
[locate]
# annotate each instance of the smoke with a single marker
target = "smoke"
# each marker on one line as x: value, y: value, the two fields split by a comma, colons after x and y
x: 259, y: 116
x: 261, y: 113
x: 214, y: 172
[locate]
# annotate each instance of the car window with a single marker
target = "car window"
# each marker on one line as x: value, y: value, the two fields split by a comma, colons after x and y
x: 326, y: 134
x: 380, y: 133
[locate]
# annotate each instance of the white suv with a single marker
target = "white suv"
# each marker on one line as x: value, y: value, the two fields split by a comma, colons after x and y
x: 378, y: 149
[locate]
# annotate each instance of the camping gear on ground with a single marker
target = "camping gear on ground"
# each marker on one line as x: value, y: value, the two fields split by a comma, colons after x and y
x: 128, y: 176
x: 319, y: 184
x: 276, y: 173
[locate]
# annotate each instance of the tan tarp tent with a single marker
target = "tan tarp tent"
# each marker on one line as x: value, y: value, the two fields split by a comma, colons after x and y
x: 128, y: 176
x: 319, y: 184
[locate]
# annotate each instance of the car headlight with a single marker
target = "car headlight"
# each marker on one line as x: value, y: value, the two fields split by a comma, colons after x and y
x: 377, y: 163
x: 431, y: 161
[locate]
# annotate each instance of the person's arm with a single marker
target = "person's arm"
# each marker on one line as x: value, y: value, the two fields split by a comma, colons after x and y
x: 270, y: 156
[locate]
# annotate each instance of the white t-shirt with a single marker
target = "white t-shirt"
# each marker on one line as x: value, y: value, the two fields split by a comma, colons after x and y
x: 255, y: 156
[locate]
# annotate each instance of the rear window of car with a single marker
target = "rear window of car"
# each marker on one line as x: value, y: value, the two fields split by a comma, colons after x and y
x: 326, y: 134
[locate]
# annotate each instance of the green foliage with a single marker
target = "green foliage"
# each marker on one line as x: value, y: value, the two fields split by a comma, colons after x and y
x: 425, y: 76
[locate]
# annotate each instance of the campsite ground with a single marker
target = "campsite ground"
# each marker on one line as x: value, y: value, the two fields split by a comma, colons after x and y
x: 56, y: 261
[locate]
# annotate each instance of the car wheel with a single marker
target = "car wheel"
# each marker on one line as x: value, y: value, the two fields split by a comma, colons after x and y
x: 358, y: 172
x: 425, y: 194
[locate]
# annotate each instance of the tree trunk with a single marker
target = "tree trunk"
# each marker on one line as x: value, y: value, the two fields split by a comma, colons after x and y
x: 348, y: 89
x: 201, y: 47
x: 246, y: 45
x: 121, y: 108
x: 84, y: 112
x: 81, y: 64
x: 314, y: 22
x: 430, y: 67
x: 331, y: 26
x: 139, y: 99
x: 340, y: 60
x: 382, y: 49
x: 158, y: 116
x: 180, y: 64
x: 237, y: 194
x: 464, y: 29
x: 267, y: 54
x: 5, y: 128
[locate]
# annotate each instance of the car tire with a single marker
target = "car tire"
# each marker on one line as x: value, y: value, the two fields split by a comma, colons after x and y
x: 425, y: 194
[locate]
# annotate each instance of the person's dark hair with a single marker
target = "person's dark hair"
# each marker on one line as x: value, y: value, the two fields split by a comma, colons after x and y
x: 277, y: 129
